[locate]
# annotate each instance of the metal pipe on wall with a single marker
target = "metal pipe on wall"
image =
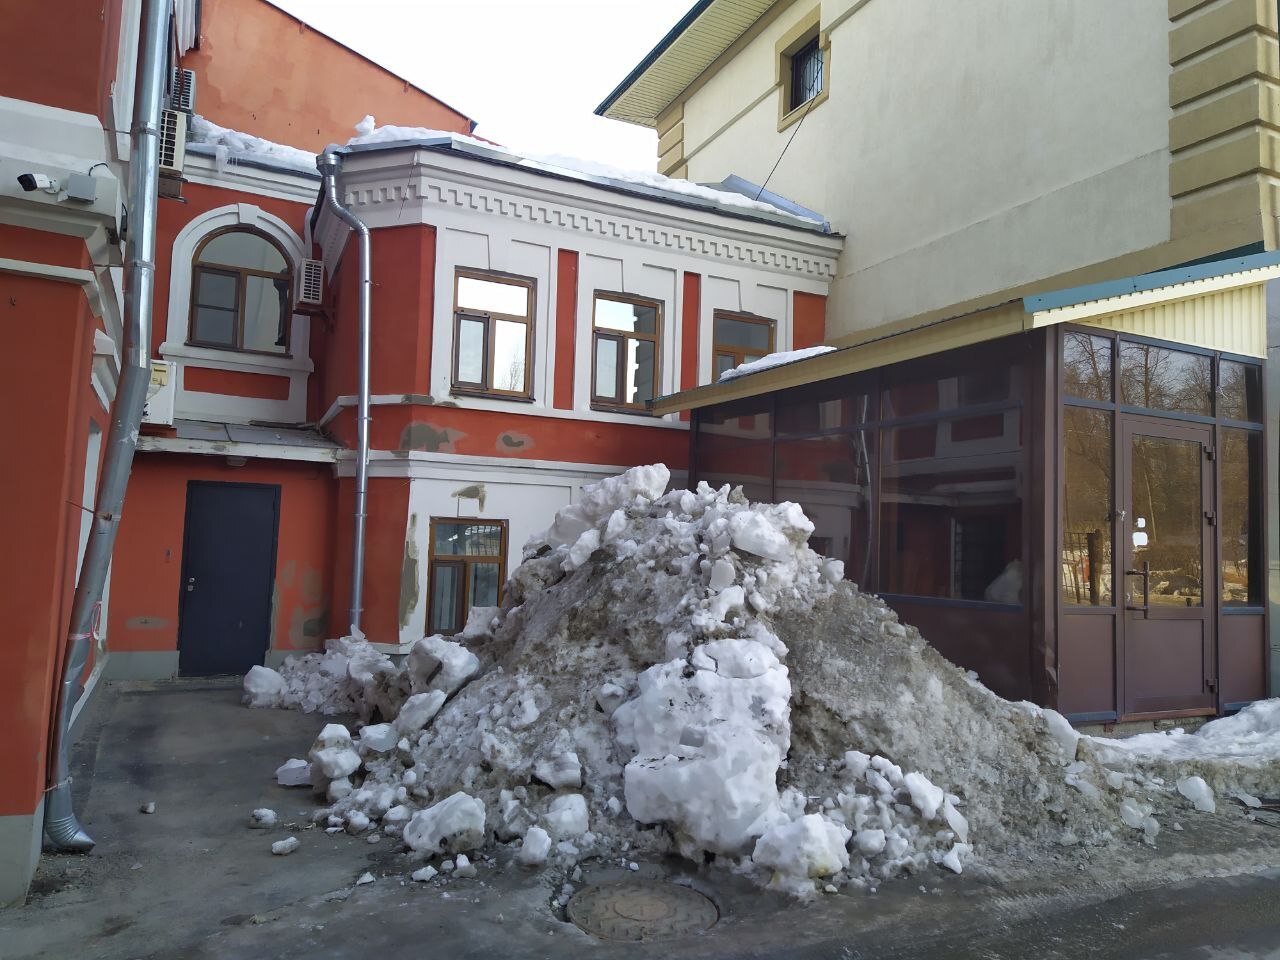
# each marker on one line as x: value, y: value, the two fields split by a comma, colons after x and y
x: 329, y: 164
x: 60, y: 823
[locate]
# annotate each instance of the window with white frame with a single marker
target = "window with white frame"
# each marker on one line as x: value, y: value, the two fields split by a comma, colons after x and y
x: 241, y: 292
x: 625, y: 351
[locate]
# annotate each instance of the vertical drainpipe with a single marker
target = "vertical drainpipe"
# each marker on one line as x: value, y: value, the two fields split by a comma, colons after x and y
x: 60, y: 824
x: 330, y: 163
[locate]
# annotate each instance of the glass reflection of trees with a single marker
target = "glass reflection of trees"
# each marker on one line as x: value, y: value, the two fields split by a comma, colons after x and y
x: 1168, y: 521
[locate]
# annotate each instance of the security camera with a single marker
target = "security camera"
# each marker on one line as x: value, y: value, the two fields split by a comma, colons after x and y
x: 38, y: 181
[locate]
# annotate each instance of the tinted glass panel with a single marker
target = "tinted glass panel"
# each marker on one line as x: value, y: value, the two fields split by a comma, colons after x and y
x: 214, y: 326
x: 628, y: 317
x: 492, y: 296
x: 446, y: 612
x: 1162, y: 379
x: 1086, y: 508
x: 638, y: 374
x: 249, y: 251
x: 745, y: 334
x: 509, y: 355
x: 266, y: 314
x: 1240, y: 391
x: 483, y: 589
x: 1241, y: 525
x: 828, y: 405
x: 470, y: 351
x: 1168, y: 520
x: 951, y: 513
x: 1086, y: 366
x: 468, y: 539
x: 830, y: 477
x: 217, y: 290
x: 726, y: 459
x: 607, y: 367
x: 748, y: 418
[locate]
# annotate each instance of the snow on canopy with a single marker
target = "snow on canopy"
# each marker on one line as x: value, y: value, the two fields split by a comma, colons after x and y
x: 678, y: 672
x: 774, y: 360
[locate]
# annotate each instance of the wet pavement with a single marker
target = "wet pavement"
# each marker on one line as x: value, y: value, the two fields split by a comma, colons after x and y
x: 192, y: 881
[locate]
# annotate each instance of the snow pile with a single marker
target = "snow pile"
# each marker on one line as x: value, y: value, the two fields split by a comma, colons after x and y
x: 231, y: 146
x: 774, y: 360
x: 1231, y: 754
x: 680, y: 672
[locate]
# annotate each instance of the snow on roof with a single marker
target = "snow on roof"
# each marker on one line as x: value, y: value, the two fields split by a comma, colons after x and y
x: 590, y: 171
x: 773, y: 360
x: 233, y: 146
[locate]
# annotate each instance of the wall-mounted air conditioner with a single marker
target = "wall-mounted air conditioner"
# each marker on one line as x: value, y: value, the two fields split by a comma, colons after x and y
x: 160, y: 393
x: 173, y: 142
x: 182, y: 94
x: 311, y: 283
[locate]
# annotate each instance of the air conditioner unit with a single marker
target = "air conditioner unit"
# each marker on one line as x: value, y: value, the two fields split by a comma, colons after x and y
x: 160, y: 392
x: 182, y: 95
x: 173, y: 141
x: 311, y: 283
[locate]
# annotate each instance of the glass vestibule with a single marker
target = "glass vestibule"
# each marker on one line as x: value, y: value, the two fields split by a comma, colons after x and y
x: 916, y: 477
x: 1160, y: 528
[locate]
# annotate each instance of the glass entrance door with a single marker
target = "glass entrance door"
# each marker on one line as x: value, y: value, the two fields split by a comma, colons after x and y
x: 1167, y: 537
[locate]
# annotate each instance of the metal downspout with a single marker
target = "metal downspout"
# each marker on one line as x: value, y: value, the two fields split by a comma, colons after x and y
x: 329, y: 165
x: 60, y: 824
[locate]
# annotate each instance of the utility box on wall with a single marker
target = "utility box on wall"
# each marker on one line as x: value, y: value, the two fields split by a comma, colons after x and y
x: 160, y: 392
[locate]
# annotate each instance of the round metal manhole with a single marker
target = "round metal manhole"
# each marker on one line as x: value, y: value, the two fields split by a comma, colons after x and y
x: 641, y: 910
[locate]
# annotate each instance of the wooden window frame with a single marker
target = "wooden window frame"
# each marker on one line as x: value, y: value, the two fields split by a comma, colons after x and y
x: 240, y: 274
x: 434, y: 562
x: 620, y: 336
x: 486, y: 388
x: 738, y: 354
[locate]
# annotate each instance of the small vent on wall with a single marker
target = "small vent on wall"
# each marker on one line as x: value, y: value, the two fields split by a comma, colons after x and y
x: 183, y: 94
x: 173, y: 141
x: 311, y: 283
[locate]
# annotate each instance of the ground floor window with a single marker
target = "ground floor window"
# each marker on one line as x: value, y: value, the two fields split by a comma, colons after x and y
x: 467, y: 569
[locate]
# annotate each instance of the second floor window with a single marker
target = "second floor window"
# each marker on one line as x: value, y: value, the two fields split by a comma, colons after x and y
x: 806, y: 74
x: 240, y: 293
x: 493, y: 334
x: 739, y: 339
x: 625, y: 344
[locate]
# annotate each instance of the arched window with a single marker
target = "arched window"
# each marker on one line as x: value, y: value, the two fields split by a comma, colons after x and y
x: 240, y: 293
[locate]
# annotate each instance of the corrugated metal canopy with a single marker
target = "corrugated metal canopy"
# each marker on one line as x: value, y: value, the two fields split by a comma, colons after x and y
x: 692, y: 45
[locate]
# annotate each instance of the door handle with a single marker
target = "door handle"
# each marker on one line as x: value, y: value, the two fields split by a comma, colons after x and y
x: 1145, y: 574
x: 191, y: 584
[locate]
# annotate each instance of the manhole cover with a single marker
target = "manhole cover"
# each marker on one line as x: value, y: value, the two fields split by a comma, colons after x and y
x: 638, y: 910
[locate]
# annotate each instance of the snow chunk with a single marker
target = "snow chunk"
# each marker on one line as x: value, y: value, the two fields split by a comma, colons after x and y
x: 567, y: 816
x: 1198, y: 792
x: 262, y: 687
x: 535, y: 849
x: 232, y: 145
x: 562, y: 770
x: 924, y: 795
x: 774, y: 360
x: 598, y: 501
x: 812, y: 846
x: 294, y: 773
x: 263, y: 818
x: 423, y: 875
x: 282, y: 848
x: 435, y: 663
x: 452, y: 825
x: 334, y: 755
x: 378, y: 738
x: 418, y: 711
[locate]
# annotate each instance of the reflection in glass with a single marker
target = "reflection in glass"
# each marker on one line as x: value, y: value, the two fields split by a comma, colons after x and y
x: 626, y: 317
x: 1240, y: 391
x: 470, y: 351
x: 483, y: 588
x: 1086, y: 366
x: 1167, y: 525
x: 1161, y: 379
x: 607, y: 367
x: 215, y: 327
x: 468, y: 539
x: 493, y: 296
x: 637, y: 373
x: 1241, y: 524
x: 826, y: 405
x: 445, y: 607
x: 509, y: 354
x: 752, y: 336
x: 1086, y: 508
x: 749, y: 418
x: 217, y: 304
x: 997, y: 383
x: 951, y: 513
x: 266, y: 313
x: 248, y: 251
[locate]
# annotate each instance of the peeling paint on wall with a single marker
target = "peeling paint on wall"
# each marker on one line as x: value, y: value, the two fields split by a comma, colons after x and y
x: 420, y: 435
x: 473, y: 492
x: 409, y: 595
x: 511, y: 442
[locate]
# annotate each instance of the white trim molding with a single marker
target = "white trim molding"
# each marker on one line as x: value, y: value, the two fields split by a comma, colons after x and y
x: 190, y: 404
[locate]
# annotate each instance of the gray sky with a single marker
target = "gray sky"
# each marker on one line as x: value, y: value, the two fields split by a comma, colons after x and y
x: 528, y: 71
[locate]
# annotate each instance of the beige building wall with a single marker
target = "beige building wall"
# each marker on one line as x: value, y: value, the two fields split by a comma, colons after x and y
x: 964, y: 148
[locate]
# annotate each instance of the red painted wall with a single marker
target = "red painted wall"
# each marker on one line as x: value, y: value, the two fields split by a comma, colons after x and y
x: 262, y: 71
x: 43, y: 487
x: 386, y: 528
x: 235, y: 383
x: 61, y: 53
x: 566, y: 325
x: 809, y: 320
x: 148, y: 562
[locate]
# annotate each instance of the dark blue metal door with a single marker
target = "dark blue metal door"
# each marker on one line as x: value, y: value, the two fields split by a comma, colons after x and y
x: 228, y: 569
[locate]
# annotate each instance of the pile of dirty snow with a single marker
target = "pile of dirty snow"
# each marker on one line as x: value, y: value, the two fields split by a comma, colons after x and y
x: 680, y: 672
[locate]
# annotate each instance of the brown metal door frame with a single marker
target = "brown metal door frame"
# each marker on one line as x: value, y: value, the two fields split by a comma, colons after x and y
x: 1129, y: 425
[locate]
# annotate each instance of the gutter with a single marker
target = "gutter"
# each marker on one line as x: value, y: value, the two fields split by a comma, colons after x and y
x: 60, y: 823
